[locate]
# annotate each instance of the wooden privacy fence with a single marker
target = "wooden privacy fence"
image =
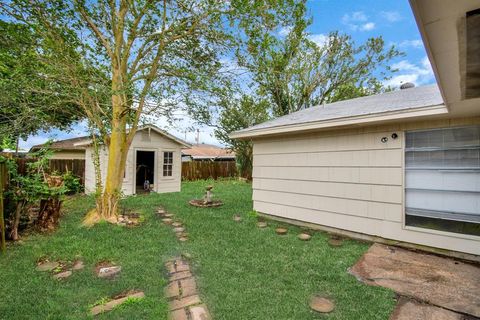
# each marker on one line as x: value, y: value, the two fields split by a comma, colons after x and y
x: 3, y: 183
x: 75, y: 166
x: 197, y: 170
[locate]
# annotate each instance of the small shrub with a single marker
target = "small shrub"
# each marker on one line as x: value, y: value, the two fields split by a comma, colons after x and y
x: 72, y: 183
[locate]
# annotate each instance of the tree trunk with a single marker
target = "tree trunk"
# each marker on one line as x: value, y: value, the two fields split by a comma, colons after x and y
x: 16, y: 220
x: 117, y: 151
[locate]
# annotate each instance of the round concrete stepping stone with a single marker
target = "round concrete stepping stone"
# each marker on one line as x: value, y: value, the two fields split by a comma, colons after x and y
x: 281, y: 231
x: 237, y: 218
x: 179, y: 229
x: 304, y: 236
x: 335, y: 242
x: 62, y: 275
x: 321, y: 304
x: 183, y: 239
x: 168, y: 215
x: 176, y: 224
x: 262, y: 224
x: 167, y: 221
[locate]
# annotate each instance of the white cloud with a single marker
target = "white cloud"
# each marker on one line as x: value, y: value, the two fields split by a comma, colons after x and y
x: 419, y: 74
x: 320, y: 39
x: 391, y: 16
x: 357, y: 20
x: 417, y: 44
x: 367, y: 26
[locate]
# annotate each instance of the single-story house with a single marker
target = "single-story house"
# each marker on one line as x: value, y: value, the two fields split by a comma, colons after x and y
x: 207, y: 152
x: 401, y: 166
x: 154, y: 155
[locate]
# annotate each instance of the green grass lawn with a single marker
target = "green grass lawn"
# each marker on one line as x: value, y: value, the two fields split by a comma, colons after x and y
x: 243, y: 272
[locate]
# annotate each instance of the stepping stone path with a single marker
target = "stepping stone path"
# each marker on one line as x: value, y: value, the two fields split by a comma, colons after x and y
x: 321, y: 304
x: 185, y: 303
x: 178, y: 228
x: 116, y: 302
x: 262, y: 224
x: 304, y: 236
x: 281, y: 231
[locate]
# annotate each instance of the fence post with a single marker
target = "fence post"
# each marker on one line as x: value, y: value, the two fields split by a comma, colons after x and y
x: 3, y: 178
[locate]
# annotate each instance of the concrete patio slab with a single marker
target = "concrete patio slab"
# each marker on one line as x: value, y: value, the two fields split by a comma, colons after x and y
x: 412, y: 310
x: 443, y: 282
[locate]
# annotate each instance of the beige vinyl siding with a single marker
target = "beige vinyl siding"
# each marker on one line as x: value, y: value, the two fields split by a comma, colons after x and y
x: 345, y: 179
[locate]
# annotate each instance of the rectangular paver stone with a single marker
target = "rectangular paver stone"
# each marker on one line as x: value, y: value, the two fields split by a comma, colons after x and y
x: 180, y: 275
x: 199, y: 312
x: 170, y: 265
x: 189, y: 287
x: 182, y: 265
x: 179, y: 314
x: 172, y: 290
x: 184, y: 302
x: 113, y: 303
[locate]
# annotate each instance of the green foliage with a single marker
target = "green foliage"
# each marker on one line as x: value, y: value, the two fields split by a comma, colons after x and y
x: 296, y: 73
x: 235, y: 114
x: 30, y: 98
x: 72, y: 183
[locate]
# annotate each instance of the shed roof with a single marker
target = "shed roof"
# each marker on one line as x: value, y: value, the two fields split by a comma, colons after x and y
x: 208, y: 151
x: 80, y: 143
x: 67, y: 144
x: 409, y: 100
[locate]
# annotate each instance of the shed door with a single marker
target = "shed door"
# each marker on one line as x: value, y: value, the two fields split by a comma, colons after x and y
x: 442, y: 179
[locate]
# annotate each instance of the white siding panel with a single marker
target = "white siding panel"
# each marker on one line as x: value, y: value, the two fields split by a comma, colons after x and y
x: 381, y: 193
x: 361, y: 158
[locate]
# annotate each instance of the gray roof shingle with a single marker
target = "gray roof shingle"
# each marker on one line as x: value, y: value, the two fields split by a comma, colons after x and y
x: 412, y: 98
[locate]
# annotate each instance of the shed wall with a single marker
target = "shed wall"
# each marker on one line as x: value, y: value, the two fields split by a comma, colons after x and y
x: 68, y: 154
x: 144, y: 141
x: 346, y: 179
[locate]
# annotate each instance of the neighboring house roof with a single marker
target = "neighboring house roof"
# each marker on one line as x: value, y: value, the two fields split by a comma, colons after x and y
x: 80, y: 143
x: 405, y: 103
x: 67, y: 144
x: 208, y: 151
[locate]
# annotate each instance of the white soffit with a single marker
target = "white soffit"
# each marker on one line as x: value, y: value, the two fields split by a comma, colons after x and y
x: 442, y: 25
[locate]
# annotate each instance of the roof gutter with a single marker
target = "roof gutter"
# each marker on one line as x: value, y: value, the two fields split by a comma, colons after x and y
x: 344, y: 121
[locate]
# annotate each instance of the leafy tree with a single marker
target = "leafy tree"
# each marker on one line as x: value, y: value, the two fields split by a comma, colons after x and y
x: 235, y: 114
x: 296, y: 73
x: 157, y: 55
x: 24, y: 109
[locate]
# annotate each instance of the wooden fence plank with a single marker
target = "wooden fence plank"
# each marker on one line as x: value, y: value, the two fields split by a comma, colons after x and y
x: 197, y: 170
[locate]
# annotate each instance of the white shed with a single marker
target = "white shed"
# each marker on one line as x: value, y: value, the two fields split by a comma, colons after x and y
x: 154, y: 155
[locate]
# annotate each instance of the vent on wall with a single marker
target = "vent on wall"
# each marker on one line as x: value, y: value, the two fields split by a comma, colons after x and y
x: 472, y: 83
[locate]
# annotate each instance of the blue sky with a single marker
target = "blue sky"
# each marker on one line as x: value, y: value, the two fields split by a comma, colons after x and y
x: 392, y: 19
